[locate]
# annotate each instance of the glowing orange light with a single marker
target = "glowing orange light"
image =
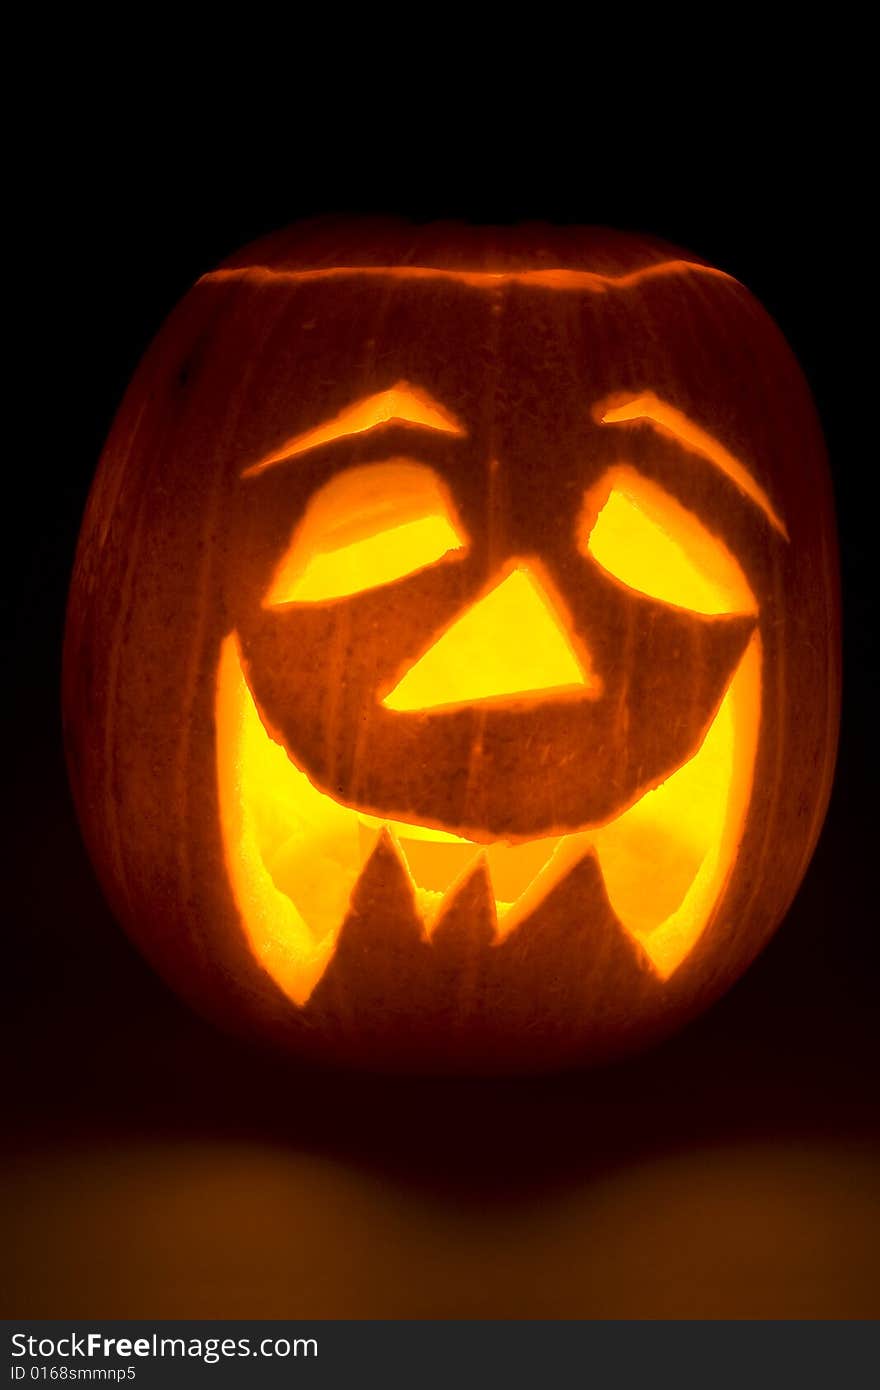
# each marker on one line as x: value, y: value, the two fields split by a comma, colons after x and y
x: 365, y: 527
x: 666, y: 860
x: 510, y: 643
x: 646, y: 539
x: 555, y: 278
x: 294, y: 854
x: 291, y: 854
x: 673, y: 422
x: 402, y: 402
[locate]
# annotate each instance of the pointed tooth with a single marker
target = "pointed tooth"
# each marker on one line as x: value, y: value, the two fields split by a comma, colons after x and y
x: 467, y: 921
x: 576, y: 988
x: 562, y: 859
x: 380, y: 982
x: 574, y: 938
x: 382, y: 925
x: 383, y: 911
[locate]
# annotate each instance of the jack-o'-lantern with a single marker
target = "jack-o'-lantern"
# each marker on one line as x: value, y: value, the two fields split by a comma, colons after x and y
x: 451, y: 677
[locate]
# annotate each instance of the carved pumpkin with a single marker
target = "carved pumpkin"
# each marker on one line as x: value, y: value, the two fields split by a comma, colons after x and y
x: 451, y: 675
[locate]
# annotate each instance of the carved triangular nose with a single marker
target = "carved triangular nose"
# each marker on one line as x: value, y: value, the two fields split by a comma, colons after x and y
x: 511, y: 643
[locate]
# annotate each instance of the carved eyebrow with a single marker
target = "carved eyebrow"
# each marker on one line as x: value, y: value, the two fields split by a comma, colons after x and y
x: 403, y: 402
x: 668, y: 420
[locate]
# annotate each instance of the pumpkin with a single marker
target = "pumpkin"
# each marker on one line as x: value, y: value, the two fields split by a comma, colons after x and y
x: 451, y: 675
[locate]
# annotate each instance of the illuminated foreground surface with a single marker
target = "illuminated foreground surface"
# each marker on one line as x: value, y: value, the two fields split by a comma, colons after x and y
x: 759, y: 1229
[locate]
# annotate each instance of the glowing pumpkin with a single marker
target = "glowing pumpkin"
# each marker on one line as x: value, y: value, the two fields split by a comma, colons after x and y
x: 451, y: 675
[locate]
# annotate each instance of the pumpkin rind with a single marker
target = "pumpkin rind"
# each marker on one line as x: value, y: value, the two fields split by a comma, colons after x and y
x: 178, y: 549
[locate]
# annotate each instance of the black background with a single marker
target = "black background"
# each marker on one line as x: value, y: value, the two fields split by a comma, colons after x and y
x: 155, y: 1168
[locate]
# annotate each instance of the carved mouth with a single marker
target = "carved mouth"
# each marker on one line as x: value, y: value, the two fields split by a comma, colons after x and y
x: 294, y: 854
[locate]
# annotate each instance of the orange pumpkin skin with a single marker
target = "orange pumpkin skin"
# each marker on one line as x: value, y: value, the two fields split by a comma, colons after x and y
x: 526, y: 341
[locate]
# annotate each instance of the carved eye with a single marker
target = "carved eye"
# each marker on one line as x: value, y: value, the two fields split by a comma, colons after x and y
x: 366, y: 527
x: 648, y: 541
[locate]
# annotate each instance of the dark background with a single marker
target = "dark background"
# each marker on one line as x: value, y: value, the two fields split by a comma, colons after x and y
x: 154, y: 1168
